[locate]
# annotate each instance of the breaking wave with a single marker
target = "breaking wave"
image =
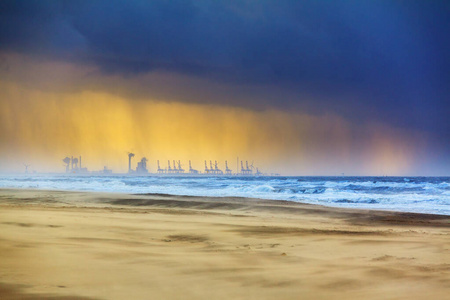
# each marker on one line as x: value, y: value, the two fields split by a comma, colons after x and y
x: 409, y: 194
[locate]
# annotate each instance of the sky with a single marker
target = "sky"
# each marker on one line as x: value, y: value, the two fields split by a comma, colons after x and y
x: 294, y: 87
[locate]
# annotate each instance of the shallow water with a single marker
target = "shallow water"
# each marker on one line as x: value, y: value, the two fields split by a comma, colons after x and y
x: 408, y: 194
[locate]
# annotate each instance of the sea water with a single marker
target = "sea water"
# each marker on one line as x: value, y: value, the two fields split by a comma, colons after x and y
x: 407, y: 194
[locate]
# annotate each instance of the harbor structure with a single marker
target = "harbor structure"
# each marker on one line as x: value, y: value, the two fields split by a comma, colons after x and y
x: 106, y: 170
x: 169, y: 169
x: 160, y: 171
x: 74, y: 162
x: 175, y: 170
x: 217, y: 171
x: 227, y: 170
x: 258, y: 173
x: 71, y: 164
x: 74, y: 165
x: 247, y: 170
x: 130, y: 156
x: 206, y: 168
x: 180, y: 169
x: 66, y: 160
x: 142, y: 166
x: 192, y: 171
x: 81, y: 169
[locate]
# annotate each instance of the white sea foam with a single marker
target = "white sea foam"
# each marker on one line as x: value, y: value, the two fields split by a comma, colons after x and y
x: 414, y: 194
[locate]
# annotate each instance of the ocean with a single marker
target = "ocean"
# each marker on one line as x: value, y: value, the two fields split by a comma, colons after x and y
x: 405, y: 194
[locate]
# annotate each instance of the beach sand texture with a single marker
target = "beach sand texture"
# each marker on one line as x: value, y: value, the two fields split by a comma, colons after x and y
x: 76, y: 245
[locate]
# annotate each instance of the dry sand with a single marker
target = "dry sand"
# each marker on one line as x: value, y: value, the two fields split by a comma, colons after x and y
x: 71, y: 245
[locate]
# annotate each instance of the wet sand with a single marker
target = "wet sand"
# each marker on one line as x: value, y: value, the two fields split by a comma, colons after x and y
x: 75, y: 245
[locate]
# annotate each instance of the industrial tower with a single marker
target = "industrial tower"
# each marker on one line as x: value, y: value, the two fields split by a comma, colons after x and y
x: 142, y: 166
x: 130, y: 155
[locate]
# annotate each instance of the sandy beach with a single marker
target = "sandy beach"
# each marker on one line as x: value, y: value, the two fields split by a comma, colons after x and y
x: 77, y: 245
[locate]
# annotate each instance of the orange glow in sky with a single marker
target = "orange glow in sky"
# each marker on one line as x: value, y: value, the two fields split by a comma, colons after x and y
x: 42, y: 127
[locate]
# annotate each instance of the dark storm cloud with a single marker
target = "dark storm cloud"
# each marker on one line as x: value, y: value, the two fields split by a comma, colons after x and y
x: 383, y: 60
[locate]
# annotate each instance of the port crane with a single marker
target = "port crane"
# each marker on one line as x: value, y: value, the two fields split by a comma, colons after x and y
x: 192, y: 171
x: 160, y: 171
x: 227, y: 170
x: 206, y: 168
x: 169, y: 169
x: 180, y: 170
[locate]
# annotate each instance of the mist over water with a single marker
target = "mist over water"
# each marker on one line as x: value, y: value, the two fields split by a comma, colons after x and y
x: 407, y: 194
